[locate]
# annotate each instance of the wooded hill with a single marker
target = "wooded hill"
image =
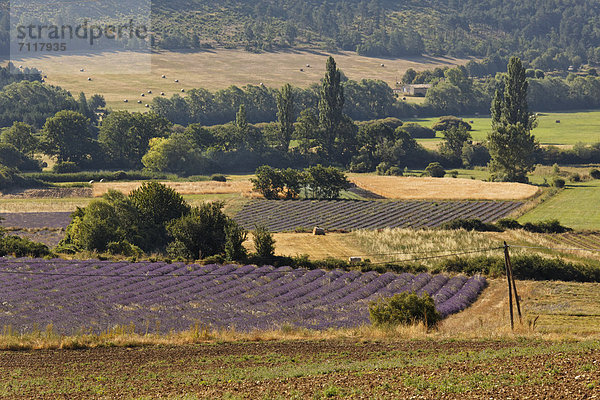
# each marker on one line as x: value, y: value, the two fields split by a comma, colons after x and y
x: 550, y: 34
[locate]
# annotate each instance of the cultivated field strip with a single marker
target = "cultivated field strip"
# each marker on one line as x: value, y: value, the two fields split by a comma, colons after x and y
x: 36, y: 219
x: 97, y: 295
x: 286, y: 215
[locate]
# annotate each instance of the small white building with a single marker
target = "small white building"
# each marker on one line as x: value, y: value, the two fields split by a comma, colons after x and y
x: 413, y: 90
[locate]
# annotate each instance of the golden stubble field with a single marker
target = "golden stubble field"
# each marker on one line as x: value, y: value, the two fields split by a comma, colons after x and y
x: 243, y: 187
x: 212, y: 70
x: 412, y: 188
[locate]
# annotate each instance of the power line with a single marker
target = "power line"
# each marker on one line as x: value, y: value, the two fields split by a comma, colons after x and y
x: 555, y: 248
x: 441, y: 256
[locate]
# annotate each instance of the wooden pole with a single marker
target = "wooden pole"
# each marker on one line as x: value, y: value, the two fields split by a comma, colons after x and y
x: 510, y: 304
x: 514, y: 285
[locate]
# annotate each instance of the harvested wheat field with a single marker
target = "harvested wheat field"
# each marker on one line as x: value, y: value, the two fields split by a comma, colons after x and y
x: 411, y: 188
x: 213, y: 70
x: 204, y: 187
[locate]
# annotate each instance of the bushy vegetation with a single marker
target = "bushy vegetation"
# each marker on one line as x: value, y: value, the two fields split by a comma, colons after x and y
x: 316, y: 182
x: 153, y: 218
x: 549, y: 226
x: 533, y: 267
x: 21, y: 247
x: 404, y: 309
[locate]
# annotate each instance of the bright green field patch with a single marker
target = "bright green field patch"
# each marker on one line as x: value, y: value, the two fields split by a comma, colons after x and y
x: 579, y: 126
x: 577, y: 206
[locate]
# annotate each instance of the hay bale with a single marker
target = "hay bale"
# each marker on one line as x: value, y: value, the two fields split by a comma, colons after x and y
x: 164, y: 76
x: 125, y: 101
x: 182, y: 90
x: 102, y: 180
x: 318, y: 231
x: 162, y: 93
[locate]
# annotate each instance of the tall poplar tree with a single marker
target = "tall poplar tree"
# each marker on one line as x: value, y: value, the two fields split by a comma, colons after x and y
x: 511, y: 143
x: 285, y: 115
x: 331, y: 103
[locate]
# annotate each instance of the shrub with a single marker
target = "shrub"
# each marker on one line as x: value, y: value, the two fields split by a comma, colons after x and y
x: 450, y: 121
x: 264, y: 244
x: 218, y: 178
x: 417, y: 131
x: 435, y: 170
x: 404, y: 308
x: 22, y: 247
x: 473, y: 224
x: 575, y: 177
x: 508, y: 223
x: 549, y: 226
x: 524, y: 267
x: 124, y: 248
x: 595, y: 173
x: 394, y: 171
x: 558, y: 182
x: 65, y: 167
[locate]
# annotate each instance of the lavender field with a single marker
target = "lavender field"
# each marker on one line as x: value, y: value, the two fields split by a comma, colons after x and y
x: 287, y: 215
x: 96, y: 295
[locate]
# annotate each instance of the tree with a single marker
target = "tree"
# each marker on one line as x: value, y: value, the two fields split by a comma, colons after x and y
x: 331, y: 104
x: 96, y: 102
x: 511, y: 143
x: 125, y: 136
x: 264, y: 244
x: 454, y: 141
x: 67, y: 136
x: 157, y: 204
x: 21, y: 136
x: 235, y: 236
x: 285, y: 116
x: 201, y: 232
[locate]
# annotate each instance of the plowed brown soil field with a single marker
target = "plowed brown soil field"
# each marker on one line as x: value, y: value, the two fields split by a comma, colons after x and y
x: 310, y: 369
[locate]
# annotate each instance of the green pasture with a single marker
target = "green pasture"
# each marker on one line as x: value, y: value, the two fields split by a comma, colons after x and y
x: 576, y: 206
x: 576, y: 126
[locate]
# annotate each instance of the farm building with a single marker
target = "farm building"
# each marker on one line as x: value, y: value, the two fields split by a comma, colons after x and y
x: 413, y: 90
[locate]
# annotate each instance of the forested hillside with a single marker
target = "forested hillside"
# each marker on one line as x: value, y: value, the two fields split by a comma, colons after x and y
x: 547, y: 33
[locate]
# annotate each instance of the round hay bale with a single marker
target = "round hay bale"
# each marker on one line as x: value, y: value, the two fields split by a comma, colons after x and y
x: 176, y: 80
x: 89, y: 79
x: 162, y: 93
x: 164, y: 76
x: 182, y: 90
x: 318, y: 231
x: 125, y: 101
x: 139, y: 102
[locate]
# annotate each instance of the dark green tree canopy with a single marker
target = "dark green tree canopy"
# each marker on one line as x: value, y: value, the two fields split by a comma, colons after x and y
x: 67, y: 136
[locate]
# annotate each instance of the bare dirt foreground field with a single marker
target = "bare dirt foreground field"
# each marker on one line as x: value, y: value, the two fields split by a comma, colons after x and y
x: 310, y: 369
